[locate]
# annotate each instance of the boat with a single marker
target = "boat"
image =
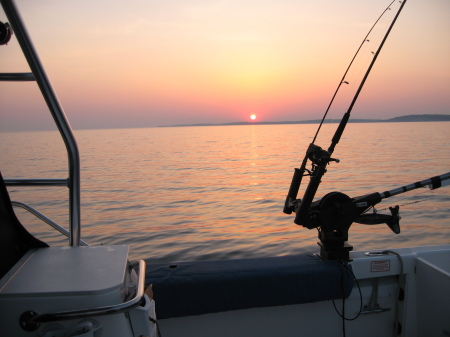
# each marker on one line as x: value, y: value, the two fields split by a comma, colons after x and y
x: 83, y: 290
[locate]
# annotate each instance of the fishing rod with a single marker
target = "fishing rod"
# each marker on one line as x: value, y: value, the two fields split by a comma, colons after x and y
x: 393, y: 220
x: 343, y: 81
x: 335, y: 212
x: 321, y: 158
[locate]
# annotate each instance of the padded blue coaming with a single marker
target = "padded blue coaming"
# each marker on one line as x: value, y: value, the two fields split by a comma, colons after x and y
x: 195, y: 288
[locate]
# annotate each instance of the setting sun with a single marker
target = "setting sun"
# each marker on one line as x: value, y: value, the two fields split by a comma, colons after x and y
x: 253, y: 117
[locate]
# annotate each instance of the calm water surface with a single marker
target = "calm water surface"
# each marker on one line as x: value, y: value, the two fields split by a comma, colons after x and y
x: 217, y: 192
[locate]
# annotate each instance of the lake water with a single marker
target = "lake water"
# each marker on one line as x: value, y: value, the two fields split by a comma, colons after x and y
x: 217, y: 192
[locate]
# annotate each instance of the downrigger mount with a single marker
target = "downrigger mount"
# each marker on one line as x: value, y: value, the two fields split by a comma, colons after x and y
x: 335, y: 212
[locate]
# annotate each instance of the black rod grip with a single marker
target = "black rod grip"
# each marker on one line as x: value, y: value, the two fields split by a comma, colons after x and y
x: 302, y: 212
x: 293, y: 190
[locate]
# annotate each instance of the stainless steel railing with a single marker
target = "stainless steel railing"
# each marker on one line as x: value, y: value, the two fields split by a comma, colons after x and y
x: 45, y: 219
x: 32, y: 318
x: 38, y: 72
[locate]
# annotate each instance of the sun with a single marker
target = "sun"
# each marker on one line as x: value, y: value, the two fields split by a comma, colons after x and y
x: 253, y: 117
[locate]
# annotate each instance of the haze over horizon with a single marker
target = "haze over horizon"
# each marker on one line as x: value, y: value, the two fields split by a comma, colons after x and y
x: 190, y: 62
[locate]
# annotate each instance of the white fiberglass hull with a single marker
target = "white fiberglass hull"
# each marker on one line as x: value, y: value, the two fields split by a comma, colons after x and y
x: 423, y: 311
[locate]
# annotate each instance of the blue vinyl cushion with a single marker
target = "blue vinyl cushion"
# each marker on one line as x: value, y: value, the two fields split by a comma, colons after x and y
x: 195, y: 288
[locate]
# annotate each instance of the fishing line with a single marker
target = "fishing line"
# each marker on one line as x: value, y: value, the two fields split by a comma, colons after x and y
x: 405, y: 204
x: 319, y: 157
x: 348, y: 68
x: 405, y: 199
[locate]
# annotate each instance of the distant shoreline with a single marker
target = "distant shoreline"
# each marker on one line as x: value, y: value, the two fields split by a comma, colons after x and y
x: 407, y: 118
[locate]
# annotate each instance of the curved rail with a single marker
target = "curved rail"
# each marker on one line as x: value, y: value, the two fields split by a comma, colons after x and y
x: 33, y: 319
x: 42, y: 217
x: 57, y: 112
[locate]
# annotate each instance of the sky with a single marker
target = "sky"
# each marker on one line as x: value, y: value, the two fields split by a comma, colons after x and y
x: 153, y: 63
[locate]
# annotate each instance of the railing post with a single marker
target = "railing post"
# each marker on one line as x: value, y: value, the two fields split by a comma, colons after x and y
x: 57, y: 112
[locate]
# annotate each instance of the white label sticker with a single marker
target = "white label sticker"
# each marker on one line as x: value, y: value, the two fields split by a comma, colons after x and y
x: 380, y: 266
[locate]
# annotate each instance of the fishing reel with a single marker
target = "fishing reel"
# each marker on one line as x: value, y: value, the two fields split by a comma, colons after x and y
x: 319, y: 159
x: 5, y: 33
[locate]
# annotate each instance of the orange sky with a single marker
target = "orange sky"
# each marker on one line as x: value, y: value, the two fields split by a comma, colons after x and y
x: 153, y: 63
